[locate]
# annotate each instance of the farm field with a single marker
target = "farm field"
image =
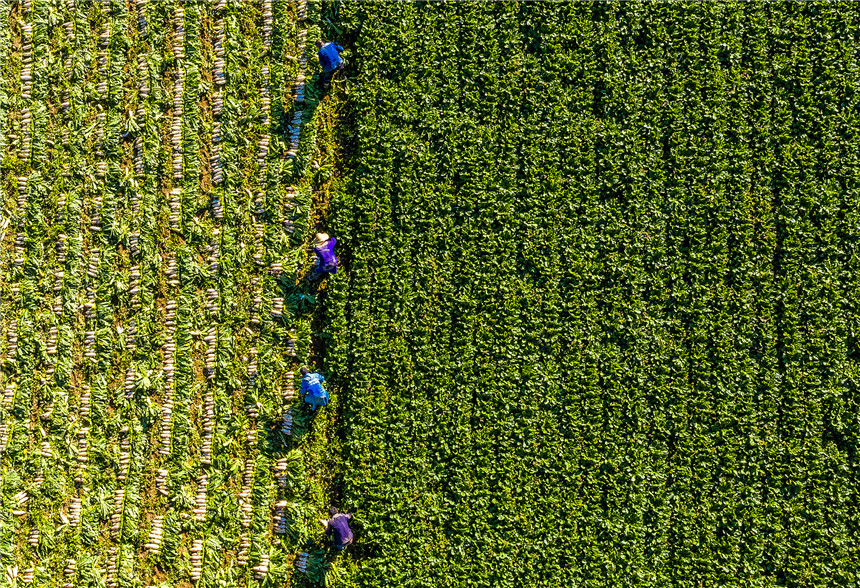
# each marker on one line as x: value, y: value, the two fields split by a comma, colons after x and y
x: 595, y: 321
x: 156, y: 206
x: 598, y: 325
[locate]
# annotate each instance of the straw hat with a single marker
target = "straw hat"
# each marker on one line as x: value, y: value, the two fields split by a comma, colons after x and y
x: 321, y: 239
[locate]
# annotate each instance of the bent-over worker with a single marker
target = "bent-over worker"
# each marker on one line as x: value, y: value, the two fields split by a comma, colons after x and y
x: 311, y: 387
x: 338, y: 528
x: 326, y: 262
x: 330, y: 59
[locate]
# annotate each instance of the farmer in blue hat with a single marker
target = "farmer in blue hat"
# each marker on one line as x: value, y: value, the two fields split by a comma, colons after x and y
x: 330, y: 60
x: 311, y: 387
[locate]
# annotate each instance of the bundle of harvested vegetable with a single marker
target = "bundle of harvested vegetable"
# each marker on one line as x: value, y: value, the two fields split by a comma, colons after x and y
x: 61, y: 242
x: 4, y: 435
x: 287, y: 422
x: 200, y: 504
x: 277, y: 306
x: 12, y: 339
x: 131, y: 332
x: 8, y: 395
x: 83, y: 455
x: 19, y: 244
x: 245, y: 506
x: 212, y: 304
x: 138, y: 158
x: 124, y: 453
x: 134, y: 244
x: 207, y: 425
x: 173, y: 201
x: 141, y: 14
x: 179, y: 34
x: 244, y: 548
x: 196, y: 558
x: 267, y: 24
x: 102, y: 66
x: 69, y: 27
x: 176, y: 129
x: 295, y: 130
x: 89, y: 307
x: 93, y: 266
x: 52, y: 337
x: 84, y: 408
x: 134, y: 286
x: 172, y: 276
x: 130, y: 377
x: 256, y: 307
x: 302, y: 561
x: 22, y: 193
x: 75, y: 512
x: 95, y: 211
x: 59, y: 274
x: 262, y: 569
x: 69, y: 571
x: 214, y: 251
x: 280, y: 519
x: 20, y: 499
x: 161, y: 481
x: 155, y: 534
x: 289, y: 392
x: 169, y: 348
x: 33, y: 537
x: 280, y: 472
x: 258, y: 242
x: 143, y: 72
x: 253, y: 372
x: 110, y: 580
x: 211, y: 343
x: 89, y: 346
x: 134, y: 200
x: 26, y: 88
x: 116, y: 517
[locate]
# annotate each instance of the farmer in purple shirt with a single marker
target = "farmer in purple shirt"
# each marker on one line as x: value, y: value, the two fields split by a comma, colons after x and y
x: 326, y: 259
x: 338, y: 528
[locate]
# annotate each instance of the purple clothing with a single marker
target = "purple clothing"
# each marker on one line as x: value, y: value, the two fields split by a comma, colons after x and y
x: 338, y: 529
x: 326, y: 260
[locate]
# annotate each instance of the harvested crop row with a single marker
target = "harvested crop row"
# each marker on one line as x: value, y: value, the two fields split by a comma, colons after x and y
x: 130, y: 299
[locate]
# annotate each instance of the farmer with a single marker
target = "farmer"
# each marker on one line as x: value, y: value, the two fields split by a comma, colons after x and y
x: 311, y: 387
x: 338, y: 528
x: 330, y: 60
x: 326, y: 260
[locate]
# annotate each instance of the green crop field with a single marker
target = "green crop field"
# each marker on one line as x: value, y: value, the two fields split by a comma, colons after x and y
x: 596, y: 320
